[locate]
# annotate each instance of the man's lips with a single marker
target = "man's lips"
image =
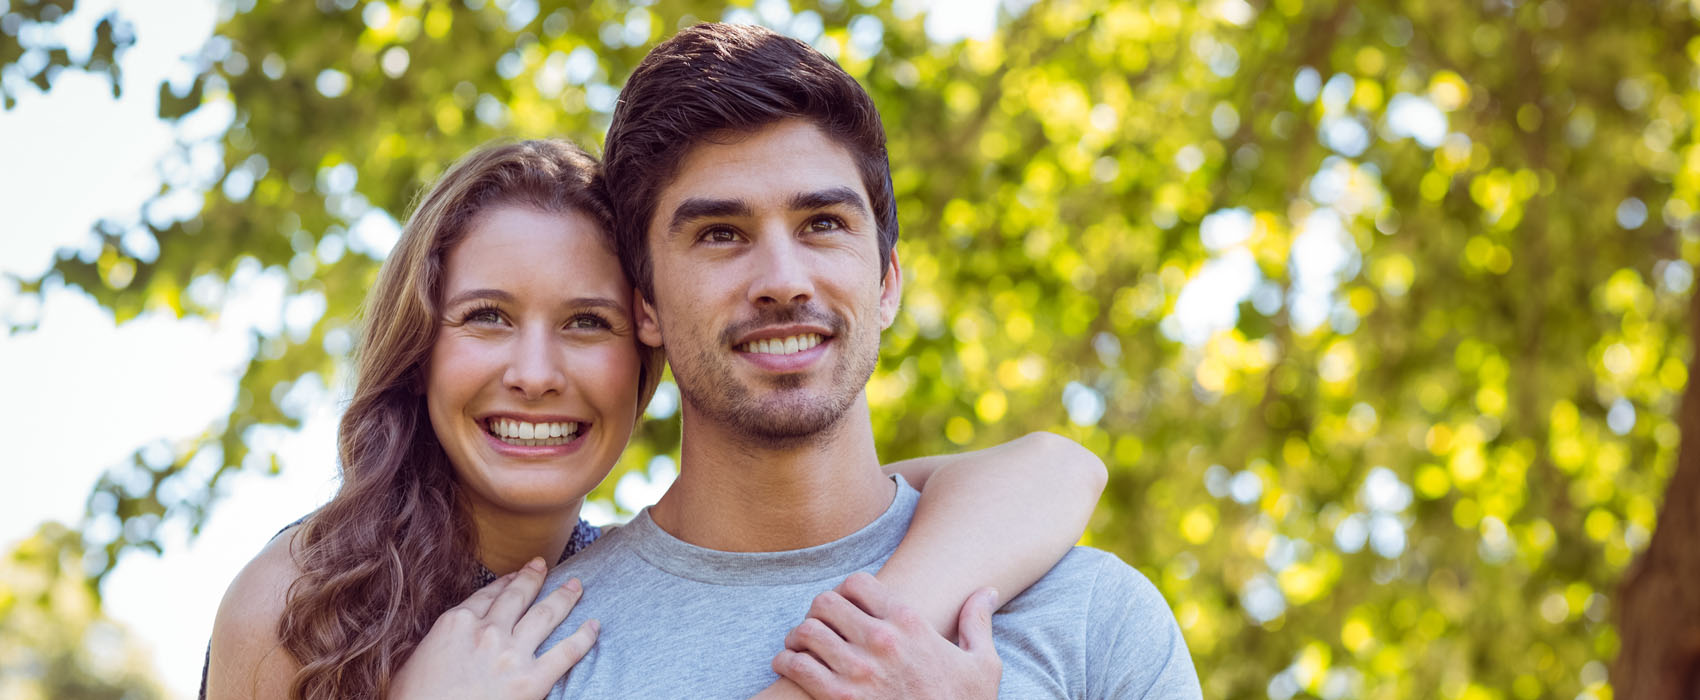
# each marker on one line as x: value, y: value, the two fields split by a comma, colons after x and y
x: 782, y: 345
x: 784, y: 349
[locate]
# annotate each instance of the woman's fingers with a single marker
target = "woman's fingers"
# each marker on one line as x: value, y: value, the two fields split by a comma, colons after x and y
x: 560, y: 658
x: 513, y: 600
x: 548, y: 613
x: 479, y: 602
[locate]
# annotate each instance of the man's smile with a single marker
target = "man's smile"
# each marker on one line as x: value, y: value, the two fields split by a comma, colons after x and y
x: 796, y: 352
x: 788, y: 345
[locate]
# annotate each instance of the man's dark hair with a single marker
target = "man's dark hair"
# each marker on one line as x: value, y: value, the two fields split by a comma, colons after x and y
x: 716, y: 78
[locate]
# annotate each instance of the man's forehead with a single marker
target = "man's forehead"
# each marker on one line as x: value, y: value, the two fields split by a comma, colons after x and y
x: 776, y: 165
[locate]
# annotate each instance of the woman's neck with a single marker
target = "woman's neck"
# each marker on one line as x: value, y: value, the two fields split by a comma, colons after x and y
x: 507, y: 540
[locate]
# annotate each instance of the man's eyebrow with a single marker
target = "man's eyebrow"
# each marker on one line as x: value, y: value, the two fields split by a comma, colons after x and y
x: 830, y: 197
x: 703, y: 208
x: 475, y: 294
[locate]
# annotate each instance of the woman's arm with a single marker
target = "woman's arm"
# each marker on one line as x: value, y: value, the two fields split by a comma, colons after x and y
x: 455, y: 659
x: 246, y: 659
x: 999, y: 517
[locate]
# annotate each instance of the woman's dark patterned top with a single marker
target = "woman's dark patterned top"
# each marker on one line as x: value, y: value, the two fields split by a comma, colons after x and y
x: 583, y: 535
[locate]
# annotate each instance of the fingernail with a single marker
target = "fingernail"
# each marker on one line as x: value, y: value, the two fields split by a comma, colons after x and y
x: 536, y: 564
x: 574, y: 586
x: 594, y: 626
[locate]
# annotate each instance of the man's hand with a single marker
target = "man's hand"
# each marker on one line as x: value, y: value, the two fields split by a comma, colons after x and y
x: 484, y: 647
x: 860, y: 642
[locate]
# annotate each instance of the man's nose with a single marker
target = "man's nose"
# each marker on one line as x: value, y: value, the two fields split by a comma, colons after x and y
x: 535, y: 367
x: 783, y: 272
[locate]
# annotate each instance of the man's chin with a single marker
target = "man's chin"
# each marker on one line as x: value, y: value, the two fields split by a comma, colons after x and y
x: 789, y: 420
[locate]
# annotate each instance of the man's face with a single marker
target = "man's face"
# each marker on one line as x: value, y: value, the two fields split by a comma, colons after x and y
x: 768, y: 293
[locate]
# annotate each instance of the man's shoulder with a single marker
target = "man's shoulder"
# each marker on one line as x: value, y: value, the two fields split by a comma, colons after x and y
x: 1102, y: 625
x: 1096, y: 589
x: 1087, y: 572
x: 611, y: 551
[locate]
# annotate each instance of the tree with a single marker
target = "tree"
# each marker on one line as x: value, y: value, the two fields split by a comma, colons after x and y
x: 54, y: 642
x: 1376, y: 309
x: 1658, y: 603
x: 39, y: 59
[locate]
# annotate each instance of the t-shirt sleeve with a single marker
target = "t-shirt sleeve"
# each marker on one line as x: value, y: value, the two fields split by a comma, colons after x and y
x: 1134, y: 647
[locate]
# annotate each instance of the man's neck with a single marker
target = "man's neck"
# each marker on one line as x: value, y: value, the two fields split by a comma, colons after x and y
x: 735, y: 496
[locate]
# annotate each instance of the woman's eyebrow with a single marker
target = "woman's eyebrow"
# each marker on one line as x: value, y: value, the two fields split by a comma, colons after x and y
x: 597, y: 303
x: 476, y: 294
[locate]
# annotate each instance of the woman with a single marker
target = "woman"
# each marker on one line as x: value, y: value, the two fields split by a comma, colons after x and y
x: 335, y: 605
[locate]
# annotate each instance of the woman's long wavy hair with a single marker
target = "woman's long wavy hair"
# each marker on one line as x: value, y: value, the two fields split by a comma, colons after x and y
x: 394, y: 548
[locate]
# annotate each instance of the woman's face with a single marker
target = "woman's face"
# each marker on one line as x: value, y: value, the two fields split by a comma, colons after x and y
x: 532, y: 382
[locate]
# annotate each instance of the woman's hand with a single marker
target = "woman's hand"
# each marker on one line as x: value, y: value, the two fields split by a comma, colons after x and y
x: 860, y: 642
x: 484, y: 647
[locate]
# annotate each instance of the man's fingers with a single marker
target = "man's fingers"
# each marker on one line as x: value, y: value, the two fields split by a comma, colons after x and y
x: 808, y: 673
x: 974, y: 622
x: 843, y: 617
x: 813, y: 637
x: 516, y: 598
x: 548, y: 613
x: 867, y: 593
x: 563, y: 656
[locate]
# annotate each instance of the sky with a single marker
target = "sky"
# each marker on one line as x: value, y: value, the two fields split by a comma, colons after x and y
x: 82, y: 393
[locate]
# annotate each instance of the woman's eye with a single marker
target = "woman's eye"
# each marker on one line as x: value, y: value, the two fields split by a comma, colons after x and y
x: 588, y: 321
x: 483, y: 316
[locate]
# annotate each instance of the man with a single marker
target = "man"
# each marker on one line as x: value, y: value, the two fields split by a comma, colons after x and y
x: 756, y: 216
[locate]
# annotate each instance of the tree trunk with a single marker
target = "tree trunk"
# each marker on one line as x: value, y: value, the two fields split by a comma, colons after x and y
x: 1659, y: 599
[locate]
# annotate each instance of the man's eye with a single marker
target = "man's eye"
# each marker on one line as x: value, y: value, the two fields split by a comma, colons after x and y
x: 720, y: 235
x: 825, y: 223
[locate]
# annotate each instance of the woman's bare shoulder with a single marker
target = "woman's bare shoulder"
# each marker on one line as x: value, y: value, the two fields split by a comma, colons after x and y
x: 263, y: 584
x: 246, y: 660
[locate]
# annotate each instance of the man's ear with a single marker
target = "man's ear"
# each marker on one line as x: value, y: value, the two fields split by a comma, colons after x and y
x: 891, y: 291
x: 648, y: 325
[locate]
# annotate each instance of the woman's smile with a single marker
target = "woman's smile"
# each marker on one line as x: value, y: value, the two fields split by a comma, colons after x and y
x: 521, y: 433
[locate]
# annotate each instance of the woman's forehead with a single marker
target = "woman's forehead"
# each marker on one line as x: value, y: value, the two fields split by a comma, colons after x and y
x: 509, y: 245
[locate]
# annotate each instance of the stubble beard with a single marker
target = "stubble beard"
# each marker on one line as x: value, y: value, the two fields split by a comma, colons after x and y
x: 789, y: 415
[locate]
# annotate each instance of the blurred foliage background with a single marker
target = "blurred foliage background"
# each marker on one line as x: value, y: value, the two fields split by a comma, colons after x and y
x: 1376, y: 310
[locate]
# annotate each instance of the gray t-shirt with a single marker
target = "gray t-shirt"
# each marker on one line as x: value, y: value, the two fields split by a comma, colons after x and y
x: 681, y: 621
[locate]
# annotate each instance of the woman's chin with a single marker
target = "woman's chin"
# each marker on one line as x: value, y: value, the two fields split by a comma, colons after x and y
x: 534, y: 497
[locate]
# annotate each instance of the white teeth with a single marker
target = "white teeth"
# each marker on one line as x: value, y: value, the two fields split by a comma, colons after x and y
x: 783, y: 346
x: 516, y: 432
